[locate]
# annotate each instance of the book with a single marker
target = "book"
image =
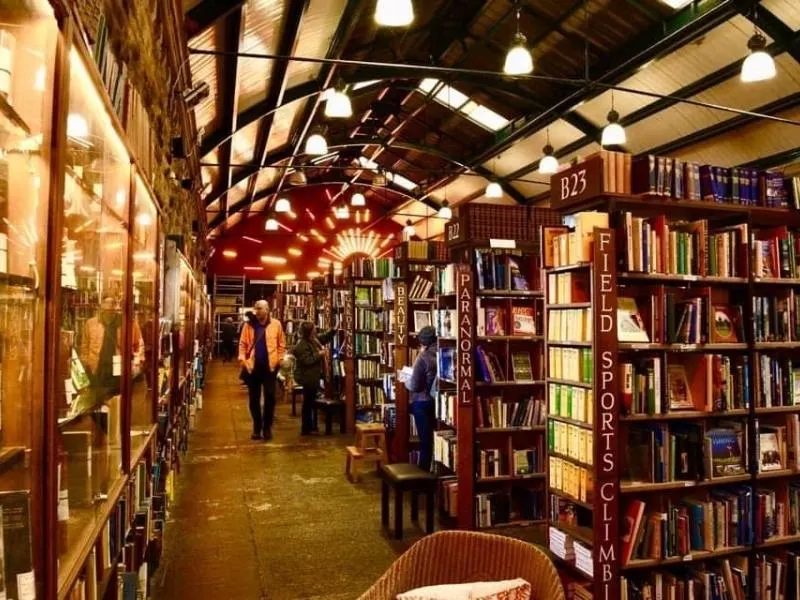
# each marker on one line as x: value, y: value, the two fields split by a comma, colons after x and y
x: 523, y: 321
x: 446, y: 357
x: 630, y: 326
x: 518, y: 280
x: 678, y: 389
x: 724, y: 455
x: 631, y: 526
x: 726, y: 325
x: 770, y: 454
x: 422, y: 318
x: 495, y: 321
x: 521, y: 363
x: 17, y: 542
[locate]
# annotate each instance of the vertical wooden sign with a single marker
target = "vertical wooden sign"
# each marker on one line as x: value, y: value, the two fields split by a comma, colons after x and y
x: 349, y: 317
x: 465, y: 386
x: 400, y: 445
x: 400, y: 315
x: 606, y: 498
x: 349, y: 362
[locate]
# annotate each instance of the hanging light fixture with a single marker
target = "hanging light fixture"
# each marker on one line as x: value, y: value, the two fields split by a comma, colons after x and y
x: 494, y: 190
x: 408, y: 230
x: 759, y: 65
x: 445, y: 212
x: 283, y: 205
x: 338, y: 105
x: 613, y: 133
x: 272, y: 223
x: 548, y: 165
x: 358, y: 199
x: 316, y: 144
x: 519, y: 60
x: 394, y: 13
x: 342, y: 212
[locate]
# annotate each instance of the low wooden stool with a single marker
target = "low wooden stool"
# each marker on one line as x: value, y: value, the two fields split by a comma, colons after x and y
x: 402, y: 477
x: 370, y: 446
x: 329, y: 408
x: 297, y: 391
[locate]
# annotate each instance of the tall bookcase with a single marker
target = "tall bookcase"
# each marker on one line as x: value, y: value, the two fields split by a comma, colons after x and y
x: 296, y: 302
x: 672, y: 424
x: 490, y: 447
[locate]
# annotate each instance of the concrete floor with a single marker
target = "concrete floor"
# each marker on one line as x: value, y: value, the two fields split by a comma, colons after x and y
x: 268, y: 521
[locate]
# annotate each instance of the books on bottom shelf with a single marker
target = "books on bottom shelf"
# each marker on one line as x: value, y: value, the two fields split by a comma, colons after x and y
x: 724, y: 579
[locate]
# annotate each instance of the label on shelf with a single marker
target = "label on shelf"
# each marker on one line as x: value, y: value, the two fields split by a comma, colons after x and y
x: 507, y: 244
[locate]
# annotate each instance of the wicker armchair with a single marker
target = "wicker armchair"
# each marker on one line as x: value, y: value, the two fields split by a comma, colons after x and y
x: 463, y: 557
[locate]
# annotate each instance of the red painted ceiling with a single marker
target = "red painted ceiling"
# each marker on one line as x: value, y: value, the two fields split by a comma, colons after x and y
x: 306, y: 201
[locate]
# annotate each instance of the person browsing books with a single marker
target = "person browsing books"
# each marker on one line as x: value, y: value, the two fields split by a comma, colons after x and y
x: 261, y: 349
x: 420, y: 384
x: 310, y: 356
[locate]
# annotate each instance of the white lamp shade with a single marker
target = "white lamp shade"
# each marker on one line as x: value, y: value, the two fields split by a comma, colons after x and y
x: 316, y: 145
x: 342, y: 212
x: 77, y: 126
x: 758, y: 66
x: 272, y: 224
x: 494, y: 190
x: 338, y: 106
x: 446, y: 213
x: 409, y: 231
x: 613, y: 135
x: 358, y: 199
x: 394, y: 13
x: 518, y: 61
x: 548, y: 165
x: 283, y: 205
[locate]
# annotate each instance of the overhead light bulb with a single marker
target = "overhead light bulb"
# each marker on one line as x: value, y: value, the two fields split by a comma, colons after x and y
x: 358, y: 199
x: 394, y: 13
x: 445, y: 212
x: 613, y: 133
x: 77, y: 126
x: 548, y: 165
x: 316, y: 144
x: 283, y: 205
x: 518, y: 60
x: 272, y: 224
x: 338, y: 105
x: 494, y: 190
x: 408, y: 230
x: 759, y: 65
x: 342, y: 212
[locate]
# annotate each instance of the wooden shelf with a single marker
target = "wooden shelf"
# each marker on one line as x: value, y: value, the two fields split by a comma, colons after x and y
x: 10, y: 113
x: 509, y: 293
x: 776, y: 345
x: 509, y: 338
x: 639, y: 488
x: 375, y: 307
x: 675, y: 560
x: 644, y: 346
x: 570, y: 344
x: 509, y: 383
x: 584, y: 535
x: 703, y: 279
x: 422, y: 300
x: 569, y: 268
x: 510, y: 524
x: 502, y: 478
x: 509, y: 429
x: 570, y: 459
x: 768, y: 410
x: 570, y: 382
x: 775, y: 474
x: 775, y: 281
x: 575, y: 501
x: 685, y: 415
x: 569, y: 421
x: 10, y: 456
x: 370, y: 331
x: 781, y: 540
x: 568, y: 305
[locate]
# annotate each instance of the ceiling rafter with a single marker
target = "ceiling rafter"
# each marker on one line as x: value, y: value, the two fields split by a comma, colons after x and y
x: 234, y: 32
x: 207, y: 12
x: 658, y: 40
x: 779, y: 31
x: 774, y: 160
x: 277, y: 84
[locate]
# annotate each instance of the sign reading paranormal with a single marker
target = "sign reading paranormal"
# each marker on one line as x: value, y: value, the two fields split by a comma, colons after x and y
x: 465, y: 295
x: 606, y: 419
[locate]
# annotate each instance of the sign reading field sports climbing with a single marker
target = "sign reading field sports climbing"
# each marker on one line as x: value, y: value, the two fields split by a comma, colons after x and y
x: 400, y: 313
x: 465, y: 296
x: 606, y: 419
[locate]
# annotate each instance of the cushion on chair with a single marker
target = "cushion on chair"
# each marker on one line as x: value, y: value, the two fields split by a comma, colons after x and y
x: 512, y: 589
x: 405, y: 473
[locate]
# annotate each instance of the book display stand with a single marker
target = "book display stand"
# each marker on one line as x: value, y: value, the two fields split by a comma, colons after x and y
x: 672, y: 341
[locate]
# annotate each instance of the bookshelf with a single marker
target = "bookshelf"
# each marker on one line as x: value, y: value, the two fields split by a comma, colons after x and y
x: 692, y: 427
x: 296, y: 304
x: 490, y: 447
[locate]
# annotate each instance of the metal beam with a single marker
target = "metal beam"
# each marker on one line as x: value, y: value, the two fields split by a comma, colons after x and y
x: 277, y: 84
x: 234, y: 31
x: 774, y: 28
x: 207, y: 12
x: 658, y: 40
x: 774, y: 160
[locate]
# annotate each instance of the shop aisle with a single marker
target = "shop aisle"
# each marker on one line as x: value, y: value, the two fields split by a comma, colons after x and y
x: 276, y: 521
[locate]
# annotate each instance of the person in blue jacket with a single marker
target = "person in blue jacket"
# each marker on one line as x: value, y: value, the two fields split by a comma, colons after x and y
x: 421, y: 384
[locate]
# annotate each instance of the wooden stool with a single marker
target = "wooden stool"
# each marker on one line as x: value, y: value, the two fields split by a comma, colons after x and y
x: 297, y: 391
x: 370, y: 446
x: 402, y: 477
x: 330, y: 408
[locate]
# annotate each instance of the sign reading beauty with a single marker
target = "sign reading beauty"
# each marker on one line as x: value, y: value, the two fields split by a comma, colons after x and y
x: 465, y: 295
x: 400, y: 313
x: 606, y: 419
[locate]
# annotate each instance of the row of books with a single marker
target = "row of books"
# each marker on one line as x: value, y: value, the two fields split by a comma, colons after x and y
x: 570, y: 440
x: 500, y: 270
x: 500, y: 508
x: 662, y: 452
x: 491, y: 370
x: 420, y: 288
x: 779, y: 381
x: 446, y: 405
x: 296, y: 287
x: 566, y: 288
x: 446, y: 321
x: 370, y: 396
x: 420, y: 250
x: 571, y: 479
x: 445, y: 448
x: 776, y: 319
x: 726, y: 579
x: 368, y: 369
x: 777, y: 577
x: 447, y: 363
x: 294, y: 300
x: 571, y: 402
x: 494, y: 412
x: 570, y: 325
x: 562, y: 246
x: 495, y: 321
x: 368, y: 296
x: 775, y: 253
x: 573, y: 364
x: 368, y: 319
x: 340, y: 298
x: 778, y: 446
x: 113, y: 72
x: 372, y: 268
x: 446, y: 280
x: 366, y: 343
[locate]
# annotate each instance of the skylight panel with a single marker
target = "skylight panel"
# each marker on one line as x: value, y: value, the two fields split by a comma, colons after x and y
x: 401, y: 181
x: 365, y: 84
x: 488, y: 118
x: 449, y: 96
x: 461, y: 103
x: 367, y: 163
x: 427, y: 85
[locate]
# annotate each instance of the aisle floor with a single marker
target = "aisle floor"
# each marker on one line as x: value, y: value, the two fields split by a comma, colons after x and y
x: 268, y: 520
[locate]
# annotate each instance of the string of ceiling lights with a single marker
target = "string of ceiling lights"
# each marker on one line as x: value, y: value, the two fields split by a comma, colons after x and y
x: 758, y: 66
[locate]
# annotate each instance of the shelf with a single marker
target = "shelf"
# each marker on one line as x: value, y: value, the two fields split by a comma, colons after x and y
x: 367, y: 282
x: 776, y: 345
x: 364, y: 408
x: 572, y: 499
x: 502, y: 478
x: 638, y: 488
x: 370, y: 306
x: 570, y: 382
x: 767, y: 410
x: 584, y: 535
x: 369, y: 381
x: 644, y: 346
x: 10, y: 456
x: 520, y: 523
x: 509, y: 429
x: 776, y: 474
x: 509, y: 338
x: 704, y: 279
x: 675, y: 560
x: 568, y: 305
x: 684, y: 415
x: 781, y: 540
x: 775, y: 281
x: 570, y: 459
x: 443, y: 339
x: 508, y: 383
x: 509, y: 293
x: 370, y: 331
x: 368, y: 356
x: 569, y: 421
x: 447, y: 381
x: 422, y: 300
x: 569, y: 268
x: 570, y: 344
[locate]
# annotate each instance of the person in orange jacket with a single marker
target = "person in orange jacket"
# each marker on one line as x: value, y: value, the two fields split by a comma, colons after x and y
x: 261, y: 349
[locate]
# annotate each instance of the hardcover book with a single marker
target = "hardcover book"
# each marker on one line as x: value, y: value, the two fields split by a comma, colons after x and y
x: 726, y: 325
x: 723, y: 453
x: 495, y: 321
x: 518, y: 281
x: 521, y: 361
x: 523, y: 320
x: 630, y: 326
x: 422, y: 318
x: 680, y: 394
x: 770, y: 451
